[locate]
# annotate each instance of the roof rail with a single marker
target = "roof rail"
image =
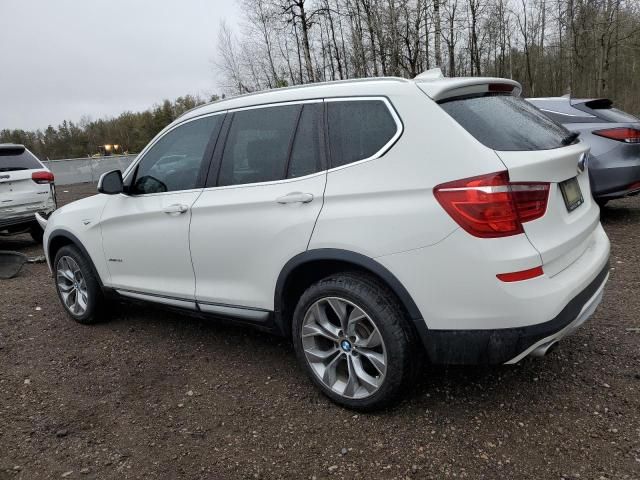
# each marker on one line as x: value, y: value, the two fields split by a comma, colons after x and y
x: 299, y: 87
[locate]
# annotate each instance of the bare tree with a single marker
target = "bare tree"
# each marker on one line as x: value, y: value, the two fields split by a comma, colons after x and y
x: 587, y: 47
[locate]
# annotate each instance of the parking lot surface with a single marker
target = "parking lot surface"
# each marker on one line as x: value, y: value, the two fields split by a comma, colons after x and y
x: 153, y: 394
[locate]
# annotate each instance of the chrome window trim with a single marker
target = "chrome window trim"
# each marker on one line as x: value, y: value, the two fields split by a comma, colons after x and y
x: 275, y: 104
x: 378, y: 154
x: 270, y: 182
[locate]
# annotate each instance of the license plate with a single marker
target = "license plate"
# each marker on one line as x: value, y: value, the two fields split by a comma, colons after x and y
x: 571, y: 193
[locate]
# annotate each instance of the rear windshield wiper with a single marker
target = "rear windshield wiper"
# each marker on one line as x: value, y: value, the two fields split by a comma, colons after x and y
x: 570, y: 138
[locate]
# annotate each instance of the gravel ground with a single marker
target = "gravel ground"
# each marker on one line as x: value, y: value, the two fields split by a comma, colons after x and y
x: 153, y: 394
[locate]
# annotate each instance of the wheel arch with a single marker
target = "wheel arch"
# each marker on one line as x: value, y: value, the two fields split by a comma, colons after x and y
x: 60, y: 238
x: 308, y: 267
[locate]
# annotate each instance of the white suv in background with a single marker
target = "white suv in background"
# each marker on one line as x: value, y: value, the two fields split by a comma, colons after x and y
x: 371, y: 221
x: 26, y: 189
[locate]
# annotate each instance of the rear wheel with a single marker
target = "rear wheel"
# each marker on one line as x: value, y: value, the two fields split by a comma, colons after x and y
x: 351, y: 336
x: 77, y: 286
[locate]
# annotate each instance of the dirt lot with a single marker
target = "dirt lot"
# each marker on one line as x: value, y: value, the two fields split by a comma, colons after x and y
x: 158, y: 395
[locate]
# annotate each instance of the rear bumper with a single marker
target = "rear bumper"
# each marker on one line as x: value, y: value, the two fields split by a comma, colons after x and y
x: 625, y: 192
x: 509, y: 345
x: 468, y: 316
x: 614, y: 178
x: 24, y: 220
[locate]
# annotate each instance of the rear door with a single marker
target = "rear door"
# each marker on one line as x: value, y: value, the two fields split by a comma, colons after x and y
x: 534, y: 148
x: 20, y: 195
x: 264, y: 196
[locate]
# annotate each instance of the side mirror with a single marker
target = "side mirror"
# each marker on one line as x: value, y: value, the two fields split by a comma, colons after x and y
x: 110, y: 183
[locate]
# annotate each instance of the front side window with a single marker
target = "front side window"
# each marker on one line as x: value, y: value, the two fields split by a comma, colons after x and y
x: 257, y: 146
x: 358, y: 129
x: 505, y: 122
x: 175, y: 161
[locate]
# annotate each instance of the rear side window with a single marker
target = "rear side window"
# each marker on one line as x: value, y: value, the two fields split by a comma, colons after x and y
x: 257, y: 146
x: 505, y: 122
x: 358, y: 129
x: 306, y: 151
x: 12, y: 159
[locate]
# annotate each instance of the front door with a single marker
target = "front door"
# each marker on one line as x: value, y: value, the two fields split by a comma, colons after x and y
x: 145, y: 232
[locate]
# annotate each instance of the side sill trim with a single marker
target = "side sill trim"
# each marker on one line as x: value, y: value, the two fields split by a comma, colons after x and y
x: 174, y: 302
x: 234, y: 312
x: 241, y: 313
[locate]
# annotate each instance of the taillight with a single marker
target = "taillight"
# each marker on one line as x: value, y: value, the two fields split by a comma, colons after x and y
x: 42, y: 177
x: 491, y: 206
x: 621, y: 134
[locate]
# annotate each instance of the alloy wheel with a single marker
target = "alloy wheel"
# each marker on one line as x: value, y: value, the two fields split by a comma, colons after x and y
x: 72, y: 286
x: 344, y: 347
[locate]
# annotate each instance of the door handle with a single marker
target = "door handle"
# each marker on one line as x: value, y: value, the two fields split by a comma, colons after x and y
x: 176, y: 208
x: 295, y: 197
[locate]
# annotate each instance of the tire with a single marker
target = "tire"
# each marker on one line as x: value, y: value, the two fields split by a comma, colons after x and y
x: 73, y: 275
x: 601, y: 203
x: 379, y: 384
x: 36, y: 233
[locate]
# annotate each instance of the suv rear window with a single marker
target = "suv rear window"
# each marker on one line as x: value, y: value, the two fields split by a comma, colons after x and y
x: 12, y: 159
x: 505, y: 122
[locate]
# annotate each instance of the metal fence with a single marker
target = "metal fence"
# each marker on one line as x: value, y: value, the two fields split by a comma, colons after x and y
x: 83, y: 170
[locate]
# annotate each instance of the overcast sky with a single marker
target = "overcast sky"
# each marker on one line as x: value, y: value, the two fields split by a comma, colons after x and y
x: 62, y: 59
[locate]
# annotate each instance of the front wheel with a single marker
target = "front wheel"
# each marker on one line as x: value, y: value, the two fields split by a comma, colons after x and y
x: 77, y: 286
x: 351, y: 336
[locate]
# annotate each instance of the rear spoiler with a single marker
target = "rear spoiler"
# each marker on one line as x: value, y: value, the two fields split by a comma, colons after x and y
x: 595, y: 104
x: 440, y: 89
x: 11, y: 149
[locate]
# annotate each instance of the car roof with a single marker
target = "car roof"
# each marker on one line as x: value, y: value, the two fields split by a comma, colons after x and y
x: 433, y: 86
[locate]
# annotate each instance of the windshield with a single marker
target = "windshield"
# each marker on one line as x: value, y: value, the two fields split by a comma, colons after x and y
x: 12, y: 159
x: 507, y: 123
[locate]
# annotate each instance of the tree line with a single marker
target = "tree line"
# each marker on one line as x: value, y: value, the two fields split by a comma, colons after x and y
x: 587, y: 48
x: 131, y: 131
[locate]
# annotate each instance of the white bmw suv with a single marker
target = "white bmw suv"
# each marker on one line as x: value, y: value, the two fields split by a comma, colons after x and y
x: 374, y: 222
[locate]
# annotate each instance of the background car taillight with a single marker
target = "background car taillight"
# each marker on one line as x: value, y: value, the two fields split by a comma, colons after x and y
x: 621, y: 134
x: 491, y: 206
x: 42, y: 177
